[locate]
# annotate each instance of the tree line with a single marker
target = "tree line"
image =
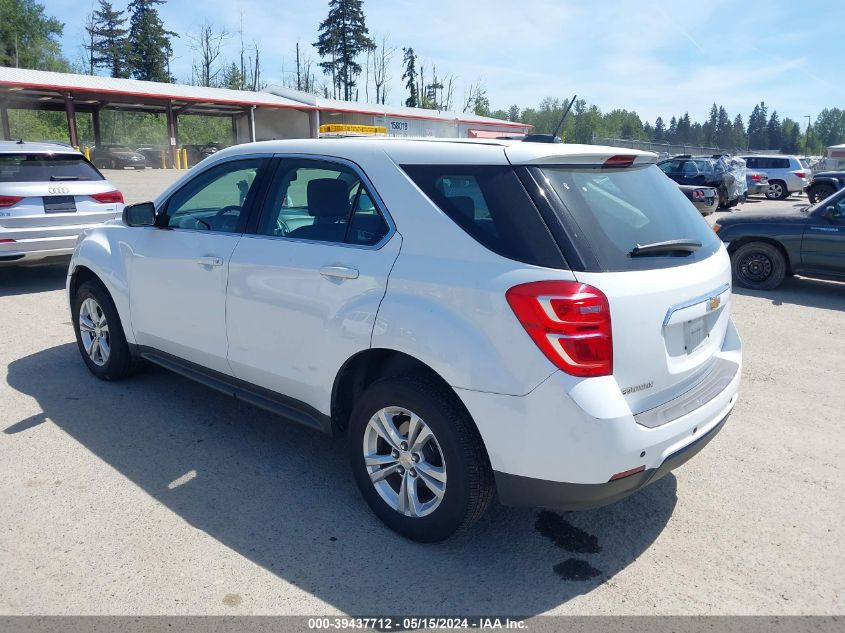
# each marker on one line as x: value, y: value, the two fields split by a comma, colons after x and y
x: 353, y: 64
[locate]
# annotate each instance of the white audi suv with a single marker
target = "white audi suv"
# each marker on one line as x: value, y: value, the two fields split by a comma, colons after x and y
x: 49, y: 194
x: 546, y: 322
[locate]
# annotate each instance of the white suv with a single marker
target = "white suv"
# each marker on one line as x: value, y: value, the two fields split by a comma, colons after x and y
x: 547, y: 321
x: 787, y: 174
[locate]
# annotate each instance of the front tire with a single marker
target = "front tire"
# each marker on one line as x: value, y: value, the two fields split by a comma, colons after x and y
x: 418, y: 459
x: 99, y: 333
x: 820, y: 192
x: 758, y: 266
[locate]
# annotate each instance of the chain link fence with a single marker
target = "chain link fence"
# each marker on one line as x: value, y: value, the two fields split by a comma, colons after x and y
x: 671, y: 149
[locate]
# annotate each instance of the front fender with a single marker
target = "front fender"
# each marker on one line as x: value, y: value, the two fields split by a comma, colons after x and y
x: 102, y: 251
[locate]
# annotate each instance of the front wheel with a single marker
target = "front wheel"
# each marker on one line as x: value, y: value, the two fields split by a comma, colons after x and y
x: 820, y: 192
x: 418, y: 459
x: 758, y: 266
x: 99, y: 333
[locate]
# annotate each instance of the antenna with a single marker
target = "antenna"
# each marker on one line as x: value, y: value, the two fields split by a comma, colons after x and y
x: 563, y: 118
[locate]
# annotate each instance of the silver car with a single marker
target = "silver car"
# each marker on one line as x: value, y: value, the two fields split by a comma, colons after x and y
x: 49, y: 194
x: 787, y: 174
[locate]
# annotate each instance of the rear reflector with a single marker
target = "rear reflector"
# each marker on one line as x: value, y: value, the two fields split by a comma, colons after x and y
x: 9, y: 201
x: 569, y: 322
x: 627, y: 473
x: 620, y: 160
x: 110, y: 197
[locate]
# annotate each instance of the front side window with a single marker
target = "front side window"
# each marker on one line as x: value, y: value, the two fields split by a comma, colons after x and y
x: 216, y: 200
x: 321, y: 201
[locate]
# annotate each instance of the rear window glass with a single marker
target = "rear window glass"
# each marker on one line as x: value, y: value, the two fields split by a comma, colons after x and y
x: 490, y: 203
x: 45, y: 168
x: 619, y: 209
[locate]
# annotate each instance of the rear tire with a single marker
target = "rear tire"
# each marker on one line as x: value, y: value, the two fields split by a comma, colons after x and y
x: 99, y: 333
x: 411, y: 499
x: 758, y: 266
x: 777, y: 190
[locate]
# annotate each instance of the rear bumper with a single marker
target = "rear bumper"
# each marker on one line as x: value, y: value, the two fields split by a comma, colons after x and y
x: 35, y: 251
x: 757, y: 189
x: 514, y: 490
x: 560, y: 445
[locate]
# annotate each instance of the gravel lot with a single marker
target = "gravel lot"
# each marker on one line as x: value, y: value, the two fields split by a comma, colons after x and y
x: 159, y: 496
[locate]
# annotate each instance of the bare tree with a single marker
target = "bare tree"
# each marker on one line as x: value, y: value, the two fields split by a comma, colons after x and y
x: 382, y: 56
x: 207, y: 43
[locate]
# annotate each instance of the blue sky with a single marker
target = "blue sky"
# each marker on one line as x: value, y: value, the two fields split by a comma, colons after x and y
x: 658, y: 57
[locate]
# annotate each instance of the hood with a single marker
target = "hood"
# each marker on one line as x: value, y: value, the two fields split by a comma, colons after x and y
x: 127, y: 154
x: 830, y: 174
x: 787, y: 216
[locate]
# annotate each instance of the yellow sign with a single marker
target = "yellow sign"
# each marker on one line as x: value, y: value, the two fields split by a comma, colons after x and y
x: 348, y: 129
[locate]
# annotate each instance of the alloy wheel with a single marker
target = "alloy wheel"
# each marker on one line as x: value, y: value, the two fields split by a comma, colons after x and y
x: 94, y: 331
x: 775, y: 191
x: 404, y: 461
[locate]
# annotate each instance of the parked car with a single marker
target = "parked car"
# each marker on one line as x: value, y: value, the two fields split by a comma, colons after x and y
x: 824, y: 184
x: 707, y: 171
x: 757, y: 181
x: 786, y: 174
x: 198, y: 152
x: 766, y: 247
x: 555, y: 328
x: 111, y: 156
x: 49, y: 194
x: 153, y: 156
x: 705, y: 199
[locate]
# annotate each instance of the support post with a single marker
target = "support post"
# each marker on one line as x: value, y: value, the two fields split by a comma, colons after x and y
x: 252, y: 124
x: 234, y: 130
x: 4, y: 116
x: 171, y: 135
x: 70, y: 110
x: 314, y: 123
x: 95, y: 125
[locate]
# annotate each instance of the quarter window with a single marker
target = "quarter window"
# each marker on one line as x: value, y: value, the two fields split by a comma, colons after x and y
x: 217, y: 199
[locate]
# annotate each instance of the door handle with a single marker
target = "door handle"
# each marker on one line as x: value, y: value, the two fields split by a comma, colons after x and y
x: 339, y: 272
x: 210, y: 261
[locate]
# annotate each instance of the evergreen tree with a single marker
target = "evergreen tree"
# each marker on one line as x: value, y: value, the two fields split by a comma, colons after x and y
x: 672, y: 134
x: 724, y: 130
x: 709, y: 127
x: 659, y: 130
x: 790, y: 137
x: 109, y: 46
x: 342, y: 37
x: 513, y: 113
x: 149, y: 42
x: 739, y: 140
x: 410, y: 75
x: 757, y: 132
x: 28, y: 38
x: 774, y: 133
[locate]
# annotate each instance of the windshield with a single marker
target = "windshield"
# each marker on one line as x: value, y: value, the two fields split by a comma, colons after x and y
x: 45, y: 167
x: 621, y: 209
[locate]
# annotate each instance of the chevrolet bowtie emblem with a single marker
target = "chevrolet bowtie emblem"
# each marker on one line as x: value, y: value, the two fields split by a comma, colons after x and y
x: 714, y: 303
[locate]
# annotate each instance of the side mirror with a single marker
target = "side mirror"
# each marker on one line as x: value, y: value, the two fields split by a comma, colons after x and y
x: 141, y: 214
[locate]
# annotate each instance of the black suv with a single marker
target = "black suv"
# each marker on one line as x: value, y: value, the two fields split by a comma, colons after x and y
x: 824, y: 184
x: 701, y: 170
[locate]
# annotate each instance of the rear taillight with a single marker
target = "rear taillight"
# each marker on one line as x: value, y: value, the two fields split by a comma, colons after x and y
x: 5, y: 240
x: 800, y: 174
x: 698, y: 194
x: 110, y: 197
x: 569, y: 322
x: 9, y: 201
x: 755, y: 177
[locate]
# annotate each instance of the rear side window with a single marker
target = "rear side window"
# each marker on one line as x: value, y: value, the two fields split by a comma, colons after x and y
x: 616, y: 210
x: 490, y: 203
x: 45, y: 168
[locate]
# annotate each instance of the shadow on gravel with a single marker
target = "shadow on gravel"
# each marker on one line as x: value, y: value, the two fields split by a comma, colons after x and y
x: 814, y: 293
x: 24, y: 280
x: 282, y: 496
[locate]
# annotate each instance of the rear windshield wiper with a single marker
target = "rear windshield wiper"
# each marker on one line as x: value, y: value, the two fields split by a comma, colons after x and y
x: 63, y: 178
x: 662, y: 248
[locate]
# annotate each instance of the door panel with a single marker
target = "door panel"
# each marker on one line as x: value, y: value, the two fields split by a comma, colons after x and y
x: 823, y: 244
x: 298, y: 310
x: 178, y: 273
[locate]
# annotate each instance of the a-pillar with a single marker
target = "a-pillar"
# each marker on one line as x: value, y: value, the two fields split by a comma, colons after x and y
x: 70, y: 110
